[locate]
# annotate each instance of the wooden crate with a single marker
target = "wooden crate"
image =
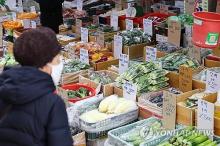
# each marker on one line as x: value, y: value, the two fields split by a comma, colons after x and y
x: 185, y: 115
x: 134, y: 51
x: 105, y: 65
x: 107, y: 89
x: 211, y: 63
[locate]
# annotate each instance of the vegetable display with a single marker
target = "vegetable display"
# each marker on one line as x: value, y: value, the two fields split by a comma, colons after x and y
x: 134, y: 36
x: 101, y: 57
x: 74, y: 66
x: 166, y: 47
x: 173, y: 61
x: 11, y: 24
x: 92, y: 47
x: 81, y: 93
x: 191, y: 137
x: 106, y: 110
x: 100, y: 77
x: 106, y: 28
x: 147, y: 76
x: 192, y: 101
x: 203, y: 74
x: 8, y: 60
x: 142, y: 132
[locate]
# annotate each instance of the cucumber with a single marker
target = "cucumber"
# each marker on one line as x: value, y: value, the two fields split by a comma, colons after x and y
x: 164, y: 143
x: 214, y: 143
x: 205, y: 143
x: 199, y: 140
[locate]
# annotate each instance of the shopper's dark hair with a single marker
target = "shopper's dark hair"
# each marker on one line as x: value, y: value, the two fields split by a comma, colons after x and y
x: 36, y: 47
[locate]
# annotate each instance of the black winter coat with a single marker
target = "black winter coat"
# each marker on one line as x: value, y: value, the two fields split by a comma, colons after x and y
x: 37, y: 116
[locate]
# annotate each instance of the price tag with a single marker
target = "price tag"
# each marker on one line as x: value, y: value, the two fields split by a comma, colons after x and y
x: 14, y: 16
x: 151, y: 54
x: 33, y: 9
x: 114, y: 21
x: 174, y: 32
x: 164, y: 9
x: 169, y: 110
x: 78, y: 26
x: 130, y: 91
x: 84, y: 35
x: 185, y: 78
x: 79, y: 5
x: 84, y: 56
x: 20, y: 3
x: 188, y: 30
x: 148, y: 26
x: 205, y: 116
x: 161, y: 38
x: 117, y: 46
x: 101, y: 39
x: 33, y: 24
x: 212, y: 81
x: 129, y: 24
x: 123, y: 63
x: 27, y: 23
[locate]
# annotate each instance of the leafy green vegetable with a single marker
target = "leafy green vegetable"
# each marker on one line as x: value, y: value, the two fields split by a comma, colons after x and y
x: 100, y: 77
x: 81, y: 93
x: 74, y: 66
x: 148, y: 76
x: 173, y: 61
x: 8, y: 60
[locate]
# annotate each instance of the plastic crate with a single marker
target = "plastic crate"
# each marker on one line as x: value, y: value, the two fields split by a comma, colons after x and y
x: 109, y: 123
x: 113, y: 135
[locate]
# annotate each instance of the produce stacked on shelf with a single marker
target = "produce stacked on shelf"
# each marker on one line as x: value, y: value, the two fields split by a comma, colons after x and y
x: 134, y: 36
x: 173, y: 61
x: 167, y: 47
x: 100, y: 77
x: 147, y: 76
x: 81, y: 93
x: 74, y: 66
x: 192, y: 101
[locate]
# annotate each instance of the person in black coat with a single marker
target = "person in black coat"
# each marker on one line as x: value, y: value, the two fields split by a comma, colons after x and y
x: 51, y: 13
x: 31, y: 114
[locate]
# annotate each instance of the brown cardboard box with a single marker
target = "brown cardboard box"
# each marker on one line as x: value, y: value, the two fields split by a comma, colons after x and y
x: 105, y: 65
x: 103, y: 36
x: 211, y: 63
x: 107, y: 89
x: 68, y: 78
x: 134, y: 51
x: 185, y: 115
x: 79, y: 139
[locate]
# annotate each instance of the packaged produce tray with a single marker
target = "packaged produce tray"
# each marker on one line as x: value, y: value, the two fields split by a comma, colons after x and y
x: 110, y: 123
x: 113, y: 135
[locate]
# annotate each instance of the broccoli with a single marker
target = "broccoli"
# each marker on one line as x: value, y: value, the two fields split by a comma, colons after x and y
x: 82, y: 92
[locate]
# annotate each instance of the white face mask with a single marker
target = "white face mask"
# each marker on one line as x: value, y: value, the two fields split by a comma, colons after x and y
x: 57, y: 71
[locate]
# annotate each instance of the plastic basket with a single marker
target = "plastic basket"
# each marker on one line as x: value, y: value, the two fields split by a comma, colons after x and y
x: 109, y: 123
x: 113, y: 135
x: 76, y: 87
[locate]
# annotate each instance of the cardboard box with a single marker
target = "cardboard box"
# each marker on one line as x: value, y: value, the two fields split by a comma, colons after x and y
x: 107, y: 89
x: 211, y: 63
x: 134, y: 51
x: 185, y: 115
x: 92, y: 38
x: 79, y: 139
x: 68, y: 78
x: 102, y: 37
x: 105, y: 65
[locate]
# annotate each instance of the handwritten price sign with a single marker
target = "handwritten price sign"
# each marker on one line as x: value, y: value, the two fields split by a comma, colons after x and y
x: 205, y: 115
x: 151, y: 54
x: 148, y: 26
x: 84, y: 35
x: 130, y: 91
x: 129, y: 24
x: 84, y: 56
x: 117, y: 46
x: 114, y: 20
x: 123, y: 63
x: 212, y: 82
